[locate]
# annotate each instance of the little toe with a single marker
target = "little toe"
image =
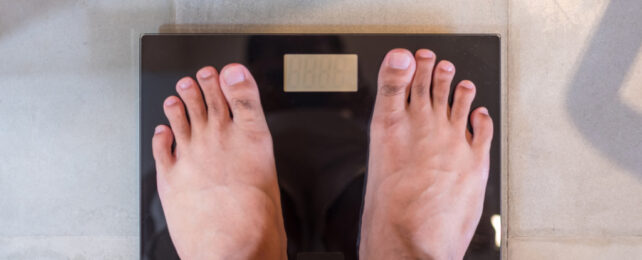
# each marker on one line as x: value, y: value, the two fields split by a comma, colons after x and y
x: 464, y: 95
x: 162, y: 147
x: 217, y: 108
x: 482, y: 129
x: 191, y: 95
x: 395, y: 76
x: 175, y: 113
x: 441, y: 86
x: 420, y: 89
x: 242, y: 94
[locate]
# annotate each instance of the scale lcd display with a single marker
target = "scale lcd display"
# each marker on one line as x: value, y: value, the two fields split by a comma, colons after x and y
x: 320, y: 72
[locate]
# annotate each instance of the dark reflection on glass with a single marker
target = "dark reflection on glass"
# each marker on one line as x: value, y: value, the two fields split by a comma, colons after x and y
x: 320, y: 138
x: 320, y: 143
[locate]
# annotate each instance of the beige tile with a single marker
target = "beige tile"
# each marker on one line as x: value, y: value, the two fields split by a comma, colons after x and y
x: 436, y: 16
x: 69, y: 37
x: 491, y: 13
x: 70, y: 100
x: 575, y: 248
x: 574, y: 146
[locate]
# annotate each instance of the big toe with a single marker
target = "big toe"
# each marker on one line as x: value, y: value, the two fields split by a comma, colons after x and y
x: 395, y: 77
x: 242, y: 95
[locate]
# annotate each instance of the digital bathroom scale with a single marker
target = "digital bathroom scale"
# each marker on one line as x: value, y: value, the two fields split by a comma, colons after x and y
x: 320, y: 131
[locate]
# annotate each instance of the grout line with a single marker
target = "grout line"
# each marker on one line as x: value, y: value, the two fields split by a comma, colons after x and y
x: 504, y: 251
x: 591, y: 237
x: 67, y: 236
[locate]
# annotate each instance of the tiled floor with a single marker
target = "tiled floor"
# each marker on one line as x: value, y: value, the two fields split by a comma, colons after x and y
x: 69, y: 110
x: 575, y: 130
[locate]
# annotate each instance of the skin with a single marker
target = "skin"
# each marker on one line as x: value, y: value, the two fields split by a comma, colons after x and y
x: 218, y: 188
x: 426, y: 180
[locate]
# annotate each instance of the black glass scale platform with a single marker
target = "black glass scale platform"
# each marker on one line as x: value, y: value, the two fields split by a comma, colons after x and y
x: 320, y: 136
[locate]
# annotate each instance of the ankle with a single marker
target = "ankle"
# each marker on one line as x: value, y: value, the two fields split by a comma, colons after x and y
x: 388, y: 240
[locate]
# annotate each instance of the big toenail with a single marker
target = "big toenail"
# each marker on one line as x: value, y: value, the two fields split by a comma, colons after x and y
x: 234, y: 75
x: 159, y: 129
x: 426, y: 54
x: 170, y: 101
x: 205, y: 74
x: 184, y: 84
x: 399, y: 60
x: 447, y: 67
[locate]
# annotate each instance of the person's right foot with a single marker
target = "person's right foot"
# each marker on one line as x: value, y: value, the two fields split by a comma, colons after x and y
x: 426, y: 172
x: 219, y: 187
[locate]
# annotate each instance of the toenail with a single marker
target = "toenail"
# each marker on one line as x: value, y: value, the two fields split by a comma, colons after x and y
x: 184, y: 84
x: 159, y: 129
x: 466, y: 85
x: 206, y: 73
x: 483, y: 110
x: 447, y: 67
x: 234, y: 75
x: 399, y: 60
x: 170, y: 101
x: 426, y: 54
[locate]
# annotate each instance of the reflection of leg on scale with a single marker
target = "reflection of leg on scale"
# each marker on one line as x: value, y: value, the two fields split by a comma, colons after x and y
x: 426, y: 181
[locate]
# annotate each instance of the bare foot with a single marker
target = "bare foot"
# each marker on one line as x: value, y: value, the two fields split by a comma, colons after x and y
x: 427, y: 173
x: 219, y: 188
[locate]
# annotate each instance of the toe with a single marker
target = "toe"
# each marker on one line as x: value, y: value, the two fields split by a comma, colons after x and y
x: 216, y: 105
x: 464, y: 95
x: 191, y: 95
x: 482, y: 129
x: 242, y: 94
x: 395, y: 76
x: 441, y: 86
x: 162, y: 147
x: 175, y: 113
x: 420, y: 89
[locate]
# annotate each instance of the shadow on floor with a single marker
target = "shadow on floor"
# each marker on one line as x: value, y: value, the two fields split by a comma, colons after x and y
x: 593, y: 101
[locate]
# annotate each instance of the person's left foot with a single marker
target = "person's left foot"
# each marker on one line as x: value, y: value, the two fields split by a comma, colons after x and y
x: 426, y: 172
x: 219, y: 187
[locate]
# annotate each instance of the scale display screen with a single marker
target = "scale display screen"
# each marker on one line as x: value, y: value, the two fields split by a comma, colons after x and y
x: 320, y: 72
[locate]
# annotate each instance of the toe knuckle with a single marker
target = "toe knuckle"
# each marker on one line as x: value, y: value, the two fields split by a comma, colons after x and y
x: 421, y: 88
x: 440, y: 96
x: 388, y: 121
x: 443, y: 78
x: 242, y: 103
x: 393, y: 88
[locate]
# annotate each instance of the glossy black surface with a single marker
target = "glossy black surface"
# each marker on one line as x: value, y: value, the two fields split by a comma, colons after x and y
x: 320, y: 139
